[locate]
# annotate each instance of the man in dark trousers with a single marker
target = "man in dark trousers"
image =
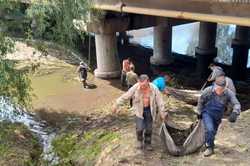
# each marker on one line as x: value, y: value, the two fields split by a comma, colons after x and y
x: 126, y: 65
x: 83, y: 74
x: 147, y: 100
x: 211, y: 107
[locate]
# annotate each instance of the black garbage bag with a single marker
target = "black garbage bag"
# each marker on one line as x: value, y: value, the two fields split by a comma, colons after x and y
x: 180, y: 142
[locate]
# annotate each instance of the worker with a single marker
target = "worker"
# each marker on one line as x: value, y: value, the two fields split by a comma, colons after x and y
x: 131, y: 79
x: 211, y: 106
x: 216, y: 70
x: 146, y: 100
x: 83, y: 73
x: 126, y: 64
x: 161, y: 83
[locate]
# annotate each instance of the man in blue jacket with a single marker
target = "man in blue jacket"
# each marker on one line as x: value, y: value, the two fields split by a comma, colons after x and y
x: 161, y: 83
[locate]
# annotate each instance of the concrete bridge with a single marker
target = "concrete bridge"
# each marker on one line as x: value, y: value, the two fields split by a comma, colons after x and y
x: 123, y: 15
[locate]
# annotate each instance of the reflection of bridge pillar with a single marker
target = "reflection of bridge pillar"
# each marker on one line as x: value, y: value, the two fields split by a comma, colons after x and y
x: 162, y: 45
x: 240, y: 45
x: 106, y: 54
x: 206, y: 50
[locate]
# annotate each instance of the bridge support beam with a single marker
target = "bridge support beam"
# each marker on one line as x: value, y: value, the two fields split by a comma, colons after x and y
x: 162, y: 45
x: 240, y: 45
x: 206, y: 50
x: 108, y: 65
x: 107, y: 56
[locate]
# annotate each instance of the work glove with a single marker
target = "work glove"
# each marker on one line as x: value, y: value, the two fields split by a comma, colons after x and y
x: 233, y: 117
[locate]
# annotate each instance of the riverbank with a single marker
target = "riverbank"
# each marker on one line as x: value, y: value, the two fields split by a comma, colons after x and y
x: 64, y: 105
x: 19, y: 146
x: 87, y: 133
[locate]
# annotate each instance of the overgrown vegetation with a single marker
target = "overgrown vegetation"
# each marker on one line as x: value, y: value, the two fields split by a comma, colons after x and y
x: 53, y: 20
x: 50, y: 20
x: 14, y: 83
x: 47, y: 20
x: 18, y: 147
x: 12, y: 17
x: 73, y: 149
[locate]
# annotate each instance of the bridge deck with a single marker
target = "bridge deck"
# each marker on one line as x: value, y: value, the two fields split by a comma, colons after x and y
x: 221, y: 11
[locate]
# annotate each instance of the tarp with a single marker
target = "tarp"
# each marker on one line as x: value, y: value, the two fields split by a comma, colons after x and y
x: 193, y: 138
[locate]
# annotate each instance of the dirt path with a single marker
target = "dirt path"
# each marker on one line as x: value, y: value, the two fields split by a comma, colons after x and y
x: 232, y: 149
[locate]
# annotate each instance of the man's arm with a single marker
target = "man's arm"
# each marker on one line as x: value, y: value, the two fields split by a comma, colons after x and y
x: 160, y: 104
x: 234, y: 101
x: 123, y: 65
x: 126, y: 96
x: 230, y: 84
x: 166, y: 91
x: 203, y: 99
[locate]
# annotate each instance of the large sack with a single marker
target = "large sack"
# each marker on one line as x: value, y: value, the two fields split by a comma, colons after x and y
x: 182, y: 141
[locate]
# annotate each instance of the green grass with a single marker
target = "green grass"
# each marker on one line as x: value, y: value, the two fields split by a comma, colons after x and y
x: 82, y: 149
x: 18, y: 146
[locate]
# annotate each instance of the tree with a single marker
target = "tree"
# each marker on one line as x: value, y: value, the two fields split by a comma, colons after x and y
x: 12, y: 17
x: 14, y: 84
x: 224, y: 37
x: 53, y: 19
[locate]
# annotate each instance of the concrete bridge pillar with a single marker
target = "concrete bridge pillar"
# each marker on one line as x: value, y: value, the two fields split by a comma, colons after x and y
x: 206, y: 50
x: 107, y: 56
x: 240, y: 45
x: 162, y: 45
x: 108, y: 65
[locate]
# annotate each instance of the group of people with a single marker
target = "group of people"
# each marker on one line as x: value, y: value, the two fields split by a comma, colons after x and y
x: 147, y: 101
x: 128, y: 75
x: 130, y: 78
x: 214, y: 100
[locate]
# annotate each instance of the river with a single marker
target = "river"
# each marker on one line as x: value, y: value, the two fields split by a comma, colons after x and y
x: 45, y: 133
x: 185, y: 39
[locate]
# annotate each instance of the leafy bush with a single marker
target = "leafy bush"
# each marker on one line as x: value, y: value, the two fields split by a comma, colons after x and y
x: 14, y: 83
x: 53, y: 20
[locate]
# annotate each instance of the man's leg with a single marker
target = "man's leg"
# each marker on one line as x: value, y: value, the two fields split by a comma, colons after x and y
x: 210, y: 131
x: 131, y: 100
x: 148, y: 129
x: 139, y: 132
x: 216, y: 126
x: 84, y: 82
x: 123, y: 79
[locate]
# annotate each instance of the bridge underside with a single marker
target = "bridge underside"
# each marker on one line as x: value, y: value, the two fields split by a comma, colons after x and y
x: 218, y: 11
x: 123, y: 15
